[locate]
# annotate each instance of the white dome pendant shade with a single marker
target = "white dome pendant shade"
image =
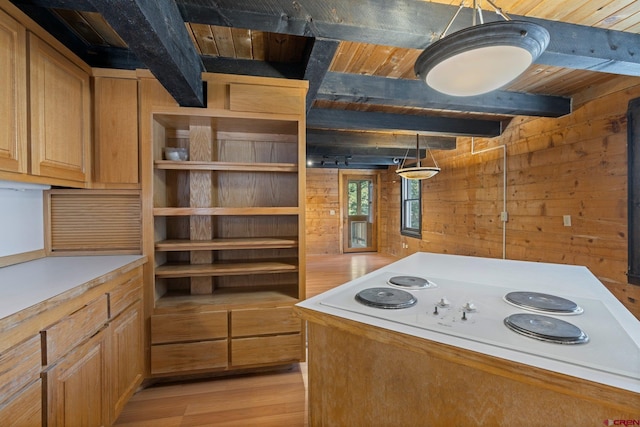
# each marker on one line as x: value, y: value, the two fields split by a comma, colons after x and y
x: 417, y: 171
x: 481, y: 58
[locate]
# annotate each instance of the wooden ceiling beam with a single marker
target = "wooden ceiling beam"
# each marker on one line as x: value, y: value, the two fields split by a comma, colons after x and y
x: 412, y: 24
x: 250, y: 67
x: 370, y: 154
x: 323, y: 118
x: 156, y: 34
x: 408, y: 24
x: 343, y: 87
x: 378, y: 141
x: 318, y: 59
x: 368, y: 149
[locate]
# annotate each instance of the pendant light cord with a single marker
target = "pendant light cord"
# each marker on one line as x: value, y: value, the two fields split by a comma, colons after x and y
x: 478, y: 9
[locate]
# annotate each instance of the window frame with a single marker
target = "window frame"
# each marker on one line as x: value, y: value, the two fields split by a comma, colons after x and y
x: 405, y: 230
x: 633, y: 191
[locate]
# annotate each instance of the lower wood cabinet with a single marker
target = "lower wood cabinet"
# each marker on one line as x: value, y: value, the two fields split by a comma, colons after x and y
x: 206, y: 340
x: 20, y: 384
x: 127, y: 356
x: 266, y: 350
x: 87, y: 381
x: 76, y: 359
x: 24, y: 409
x: 189, y: 357
x: 77, y: 386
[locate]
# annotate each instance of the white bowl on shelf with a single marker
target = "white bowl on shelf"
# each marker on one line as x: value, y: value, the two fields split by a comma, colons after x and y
x: 176, y: 154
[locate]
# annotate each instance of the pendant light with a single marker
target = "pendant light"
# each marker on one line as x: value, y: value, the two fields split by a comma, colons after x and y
x: 481, y: 58
x: 418, y: 172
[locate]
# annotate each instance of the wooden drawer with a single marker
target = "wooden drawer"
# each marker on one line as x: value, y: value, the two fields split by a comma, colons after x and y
x: 195, y: 356
x: 19, y: 366
x: 260, y: 350
x: 125, y: 294
x: 166, y: 328
x: 63, y: 336
x: 264, y: 321
x: 25, y: 408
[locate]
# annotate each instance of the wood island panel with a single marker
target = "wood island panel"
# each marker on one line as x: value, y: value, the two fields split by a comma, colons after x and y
x: 374, y: 377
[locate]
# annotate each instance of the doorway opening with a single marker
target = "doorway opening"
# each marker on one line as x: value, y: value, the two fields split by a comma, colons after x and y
x: 359, y: 211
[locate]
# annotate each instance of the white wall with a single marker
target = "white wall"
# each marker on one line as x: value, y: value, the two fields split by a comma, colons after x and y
x: 21, y: 218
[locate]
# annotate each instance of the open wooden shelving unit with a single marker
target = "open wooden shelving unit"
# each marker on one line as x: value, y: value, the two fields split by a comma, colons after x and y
x: 228, y: 224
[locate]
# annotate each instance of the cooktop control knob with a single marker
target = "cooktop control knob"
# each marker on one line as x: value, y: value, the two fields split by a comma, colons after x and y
x: 469, y: 307
x: 444, y: 302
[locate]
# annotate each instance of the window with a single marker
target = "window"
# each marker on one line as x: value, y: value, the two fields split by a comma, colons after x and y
x: 411, y: 208
x: 633, y: 188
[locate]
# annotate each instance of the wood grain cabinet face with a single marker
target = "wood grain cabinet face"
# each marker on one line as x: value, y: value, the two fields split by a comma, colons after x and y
x: 60, y: 112
x: 167, y: 328
x: 227, y: 225
x: 188, y: 357
x: 115, y: 144
x: 70, y: 331
x: 266, y: 350
x: 13, y: 95
x: 77, y: 386
x: 266, y: 321
x: 20, y: 385
x: 126, y: 362
x: 24, y: 409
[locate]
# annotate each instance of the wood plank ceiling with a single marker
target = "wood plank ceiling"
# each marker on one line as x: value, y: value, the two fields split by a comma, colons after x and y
x: 358, y: 57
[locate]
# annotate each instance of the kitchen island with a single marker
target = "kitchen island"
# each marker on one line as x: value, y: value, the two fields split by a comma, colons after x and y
x: 371, y: 366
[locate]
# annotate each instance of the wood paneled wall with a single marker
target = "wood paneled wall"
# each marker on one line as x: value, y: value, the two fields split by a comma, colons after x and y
x: 574, y: 165
x: 322, y: 228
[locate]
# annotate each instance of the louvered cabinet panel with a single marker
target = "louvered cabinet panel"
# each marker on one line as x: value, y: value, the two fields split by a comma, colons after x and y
x: 93, y: 222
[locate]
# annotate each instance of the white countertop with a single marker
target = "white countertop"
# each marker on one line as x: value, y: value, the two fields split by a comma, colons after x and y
x: 27, y: 284
x: 531, y: 276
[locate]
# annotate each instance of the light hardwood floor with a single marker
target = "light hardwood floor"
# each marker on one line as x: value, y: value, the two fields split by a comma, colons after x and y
x: 276, y: 398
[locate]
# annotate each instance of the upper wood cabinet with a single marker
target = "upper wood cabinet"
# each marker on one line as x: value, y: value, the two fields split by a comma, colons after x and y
x: 13, y: 95
x: 60, y: 113
x: 115, y: 142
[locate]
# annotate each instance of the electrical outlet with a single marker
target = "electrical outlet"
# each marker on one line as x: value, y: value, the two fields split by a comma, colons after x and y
x: 504, y: 216
x: 332, y: 212
x: 566, y: 220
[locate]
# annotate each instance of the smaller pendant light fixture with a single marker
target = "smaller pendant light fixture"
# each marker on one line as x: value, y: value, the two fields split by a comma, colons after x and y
x: 418, y: 172
x: 481, y: 58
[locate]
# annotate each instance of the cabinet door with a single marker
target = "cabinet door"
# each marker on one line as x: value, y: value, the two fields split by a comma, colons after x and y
x: 115, y: 153
x: 125, y: 369
x: 24, y: 409
x: 13, y: 96
x: 77, y: 386
x: 60, y: 114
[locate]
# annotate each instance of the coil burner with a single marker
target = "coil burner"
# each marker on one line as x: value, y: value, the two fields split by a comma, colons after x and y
x: 546, y: 328
x: 543, y: 303
x: 410, y: 282
x: 387, y: 298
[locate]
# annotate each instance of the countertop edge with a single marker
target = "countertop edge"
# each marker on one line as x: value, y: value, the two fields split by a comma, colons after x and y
x: 23, y: 316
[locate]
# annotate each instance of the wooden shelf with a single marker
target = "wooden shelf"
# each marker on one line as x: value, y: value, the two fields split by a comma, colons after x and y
x: 221, y: 244
x: 227, y: 298
x: 226, y: 211
x: 226, y: 269
x: 226, y: 166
